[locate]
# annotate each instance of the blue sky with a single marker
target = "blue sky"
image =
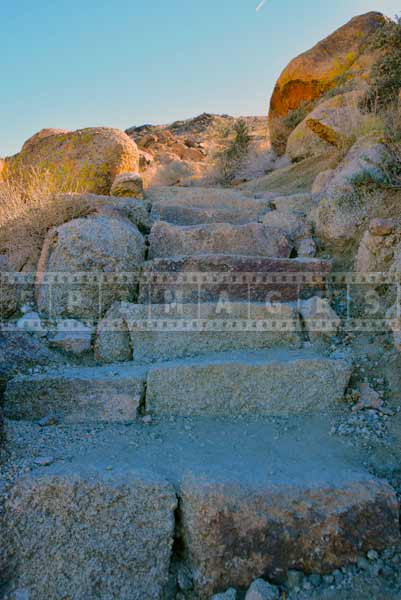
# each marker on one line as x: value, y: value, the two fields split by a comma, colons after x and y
x: 73, y: 64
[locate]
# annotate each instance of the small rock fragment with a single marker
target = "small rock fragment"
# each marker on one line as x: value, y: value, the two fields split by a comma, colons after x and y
x: 32, y: 323
x: 307, y: 248
x: 129, y: 185
x: 369, y: 398
x: 382, y: 227
x: 363, y: 563
x: 72, y: 336
x: 230, y: 594
x: 184, y: 579
x: 315, y: 579
x: 294, y: 579
x: 44, y: 461
x: 372, y: 555
x: 262, y: 590
x: 49, y: 420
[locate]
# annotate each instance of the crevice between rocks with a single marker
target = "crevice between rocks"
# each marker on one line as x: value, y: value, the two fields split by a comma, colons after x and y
x: 141, y: 410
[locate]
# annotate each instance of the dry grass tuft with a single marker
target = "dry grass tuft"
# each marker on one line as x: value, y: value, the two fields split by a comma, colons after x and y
x: 29, y: 207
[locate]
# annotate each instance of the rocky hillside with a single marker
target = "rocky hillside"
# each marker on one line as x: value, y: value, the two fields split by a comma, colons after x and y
x: 200, y: 390
x: 190, y: 144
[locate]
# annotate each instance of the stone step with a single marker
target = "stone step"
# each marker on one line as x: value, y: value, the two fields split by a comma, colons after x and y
x: 154, y: 332
x: 241, y: 500
x: 178, y: 214
x: 207, y: 198
x: 78, y: 394
x: 263, y: 382
x: 214, y: 277
x: 251, y: 239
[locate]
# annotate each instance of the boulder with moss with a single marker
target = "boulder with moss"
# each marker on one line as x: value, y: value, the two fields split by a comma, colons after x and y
x: 339, y: 116
x: 128, y: 185
x: 87, y: 160
x: 343, y: 54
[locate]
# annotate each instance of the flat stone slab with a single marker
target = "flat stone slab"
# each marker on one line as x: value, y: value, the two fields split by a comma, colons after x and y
x: 244, y: 383
x: 78, y: 394
x: 256, y: 497
x: 178, y: 214
x: 236, y: 532
x: 207, y: 198
x: 149, y: 333
x: 251, y: 239
x: 90, y: 531
x: 214, y: 277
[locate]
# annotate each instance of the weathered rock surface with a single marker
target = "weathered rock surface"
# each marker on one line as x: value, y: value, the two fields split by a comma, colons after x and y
x: 128, y: 184
x: 312, y: 73
x: 207, y: 198
x: 229, y: 594
x: 236, y: 532
x: 98, y: 246
x: 88, y: 159
x: 262, y: 590
x: 8, y: 290
x: 164, y: 331
x: 266, y: 382
x: 320, y: 319
x: 188, y: 215
x: 293, y: 223
x: 72, y: 336
x: 254, y: 504
x: 32, y: 323
x: 78, y: 394
x: 252, y: 239
x: 21, y: 351
x: 339, y: 113
x: 41, y: 135
x: 341, y: 213
x: 82, y: 531
x: 322, y: 180
x: 377, y: 248
x: 212, y: 278
x: 132, y: 209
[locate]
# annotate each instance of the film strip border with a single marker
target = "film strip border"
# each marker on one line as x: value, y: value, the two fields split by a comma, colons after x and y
x: 278, y: 326
x: 199, y: 278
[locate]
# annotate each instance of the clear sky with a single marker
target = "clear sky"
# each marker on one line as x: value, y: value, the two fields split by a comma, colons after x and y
x: 72, y: 64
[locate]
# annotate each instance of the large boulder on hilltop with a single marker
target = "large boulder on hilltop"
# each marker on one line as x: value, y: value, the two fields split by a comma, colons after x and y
x: 87, y: 160
x: 340, y: 114
x: 310, y: 75
x: 87, y: 264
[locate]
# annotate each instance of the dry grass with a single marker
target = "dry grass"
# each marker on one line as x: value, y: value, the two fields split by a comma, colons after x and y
x: 29, y: 207
x: 297, y: 178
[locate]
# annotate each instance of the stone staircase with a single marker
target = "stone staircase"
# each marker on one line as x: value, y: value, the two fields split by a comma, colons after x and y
x: 212, y: 453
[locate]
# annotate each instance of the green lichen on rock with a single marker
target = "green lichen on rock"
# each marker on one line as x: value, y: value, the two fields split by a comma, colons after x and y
x: 87, y: 160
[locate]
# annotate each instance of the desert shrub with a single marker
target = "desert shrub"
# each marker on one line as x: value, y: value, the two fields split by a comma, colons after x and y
x: 29, y: 207
x: 342, y: 85
x: 233, y: 141
x: 390, y: 166
x: 385, y: 76
x: 175, y: 172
